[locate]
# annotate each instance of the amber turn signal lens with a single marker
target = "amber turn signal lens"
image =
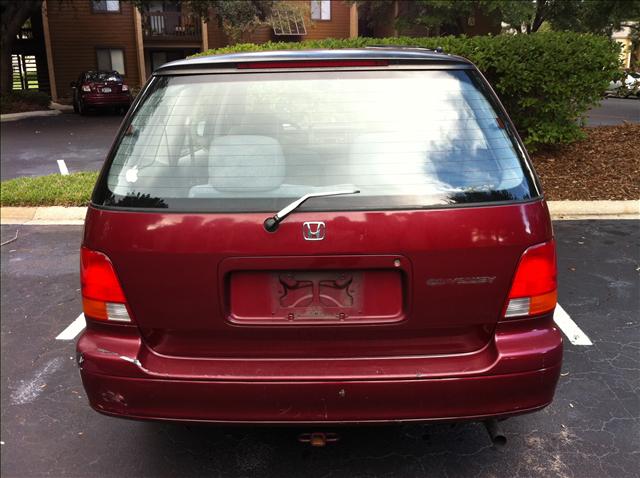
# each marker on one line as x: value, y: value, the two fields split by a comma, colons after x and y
x: 543, y: 303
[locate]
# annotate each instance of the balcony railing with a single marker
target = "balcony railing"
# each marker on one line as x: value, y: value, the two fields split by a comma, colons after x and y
x: 174, y: 26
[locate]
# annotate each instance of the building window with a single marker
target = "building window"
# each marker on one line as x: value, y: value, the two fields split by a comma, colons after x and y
x: 105, y: 6
x: 320, y: 10
x: 111, y: 59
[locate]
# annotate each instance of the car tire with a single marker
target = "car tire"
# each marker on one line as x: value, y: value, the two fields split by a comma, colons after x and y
x: 75, y: 107
x: 82, y: 108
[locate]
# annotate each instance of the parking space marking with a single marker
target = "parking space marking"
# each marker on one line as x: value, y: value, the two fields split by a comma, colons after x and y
x: 62, y: 166
x: 73, y: 329
x: 575, y: 335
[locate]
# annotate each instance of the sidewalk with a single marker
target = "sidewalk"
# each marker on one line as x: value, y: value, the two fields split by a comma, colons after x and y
x: 560, y: 210
x: 55, y: 109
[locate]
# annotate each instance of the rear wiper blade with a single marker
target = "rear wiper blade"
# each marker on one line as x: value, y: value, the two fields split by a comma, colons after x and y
x: 271, y: 223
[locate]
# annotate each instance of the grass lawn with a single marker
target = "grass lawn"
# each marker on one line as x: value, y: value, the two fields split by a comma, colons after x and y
x: 53, y: 190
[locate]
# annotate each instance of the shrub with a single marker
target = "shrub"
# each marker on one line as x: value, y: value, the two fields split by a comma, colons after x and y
x: 18, y: 101
x: 547, y: 81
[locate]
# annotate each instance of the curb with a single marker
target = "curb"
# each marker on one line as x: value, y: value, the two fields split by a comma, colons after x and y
x: 60, y: 107
x: 42, y: 216
x: 568, y: 210
x: 28, y: 114
x: 54, y: 109
x: 560, y: 210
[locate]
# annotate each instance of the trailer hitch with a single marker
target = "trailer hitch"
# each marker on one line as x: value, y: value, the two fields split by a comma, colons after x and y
x: 318, y: 439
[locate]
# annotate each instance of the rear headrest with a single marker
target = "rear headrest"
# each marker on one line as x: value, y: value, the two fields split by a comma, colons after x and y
x: 246, y: 162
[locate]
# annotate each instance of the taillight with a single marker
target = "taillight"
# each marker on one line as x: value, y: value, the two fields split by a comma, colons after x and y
x: 534, y: 287
x: 102, y: 295
x: 86, y: 88
x: 125, y: 88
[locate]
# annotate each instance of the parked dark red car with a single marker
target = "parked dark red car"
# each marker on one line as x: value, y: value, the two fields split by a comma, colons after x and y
x: 408, y: 275
x: 100, y: 89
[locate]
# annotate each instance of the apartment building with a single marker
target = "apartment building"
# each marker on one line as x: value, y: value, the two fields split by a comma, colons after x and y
x: 82, y: 35
x: 629, y: 53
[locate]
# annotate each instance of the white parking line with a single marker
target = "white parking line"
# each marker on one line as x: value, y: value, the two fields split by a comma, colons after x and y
x: 73, y: 329
x: 575, y: 335
x: 62, y: 166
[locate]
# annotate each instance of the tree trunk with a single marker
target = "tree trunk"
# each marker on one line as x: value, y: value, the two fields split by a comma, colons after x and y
x: 540, y: 14
x: 6, y: 79
x: 14, y: 14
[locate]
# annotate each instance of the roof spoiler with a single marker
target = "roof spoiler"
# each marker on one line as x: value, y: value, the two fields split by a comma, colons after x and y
x: 438, y: 49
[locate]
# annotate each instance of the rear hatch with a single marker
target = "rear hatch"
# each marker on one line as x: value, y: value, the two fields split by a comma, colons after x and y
x: 419, y: 262
x: 105, y: 82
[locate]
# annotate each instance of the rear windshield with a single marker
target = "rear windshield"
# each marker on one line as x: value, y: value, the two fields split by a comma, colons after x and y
x: 255, y: 141
x: 101, y: 76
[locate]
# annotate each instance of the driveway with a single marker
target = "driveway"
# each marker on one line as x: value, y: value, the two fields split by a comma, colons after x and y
x: 592, y: 429
x: 32, y: 146
x: 614, y: 111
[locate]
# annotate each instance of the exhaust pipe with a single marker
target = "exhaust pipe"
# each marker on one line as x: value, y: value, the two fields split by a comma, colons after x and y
x: 495, y: 432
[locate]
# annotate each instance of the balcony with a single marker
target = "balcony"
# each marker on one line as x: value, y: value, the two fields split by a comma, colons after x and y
x: 171, y: 26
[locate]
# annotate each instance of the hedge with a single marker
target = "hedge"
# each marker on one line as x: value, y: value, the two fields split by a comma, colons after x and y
x: 24, y: 100
x: 547, y: 80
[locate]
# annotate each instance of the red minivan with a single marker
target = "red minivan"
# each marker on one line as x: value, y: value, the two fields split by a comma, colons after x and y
x: 318, y: 237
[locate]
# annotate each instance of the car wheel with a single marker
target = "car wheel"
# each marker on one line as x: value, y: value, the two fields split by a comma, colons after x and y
x: 82, y: 108
x: 75, y: 107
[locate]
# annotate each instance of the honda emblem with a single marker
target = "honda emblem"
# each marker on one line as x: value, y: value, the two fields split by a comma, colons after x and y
x: 313, y: 231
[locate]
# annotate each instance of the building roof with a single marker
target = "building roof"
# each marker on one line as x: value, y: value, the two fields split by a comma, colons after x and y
x: 392, y: 54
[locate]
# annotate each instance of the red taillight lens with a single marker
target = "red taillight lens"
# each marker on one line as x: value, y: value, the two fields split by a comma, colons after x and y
x: 310, y: 64
x: 125, y: 88
x: 102, y: 295
x: 534, y: 287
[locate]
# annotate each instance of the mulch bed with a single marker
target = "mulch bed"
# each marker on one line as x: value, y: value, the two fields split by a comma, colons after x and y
x: 606, y: 165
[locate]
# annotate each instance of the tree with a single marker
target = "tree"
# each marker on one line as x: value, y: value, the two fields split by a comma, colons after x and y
x: 13, y: 14
x: 237, y: 18
x: 593, y: 16
x: 453, y: 16
x: 583, y: 16
x: 525, y: 16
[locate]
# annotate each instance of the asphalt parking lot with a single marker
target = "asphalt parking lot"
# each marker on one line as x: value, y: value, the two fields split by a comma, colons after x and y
x: 614, y: 111
x: 32, y: 146
x: 592, y: 429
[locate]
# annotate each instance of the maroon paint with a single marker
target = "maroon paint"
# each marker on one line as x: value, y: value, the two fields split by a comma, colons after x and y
x: 430, y: 346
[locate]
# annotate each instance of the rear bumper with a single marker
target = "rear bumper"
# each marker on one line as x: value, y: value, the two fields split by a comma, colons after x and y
x: 322, y: 402
x: 117, y: 374
x: 107, y: 100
